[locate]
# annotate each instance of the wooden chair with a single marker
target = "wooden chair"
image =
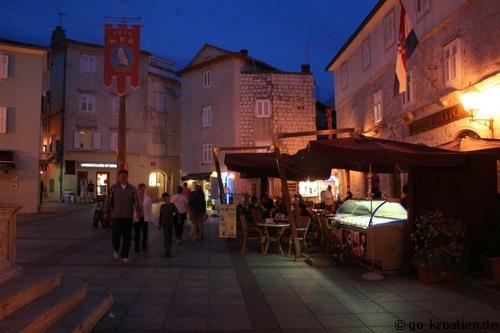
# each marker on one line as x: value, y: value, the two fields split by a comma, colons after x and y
x: 251, y: 233
x: 303, y: 223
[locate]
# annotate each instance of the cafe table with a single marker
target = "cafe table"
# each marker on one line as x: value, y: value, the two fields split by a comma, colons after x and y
x: 274, y: 233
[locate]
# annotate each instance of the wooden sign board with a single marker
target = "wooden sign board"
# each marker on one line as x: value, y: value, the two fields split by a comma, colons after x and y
x: 227, y: 223
x: 438, y: 119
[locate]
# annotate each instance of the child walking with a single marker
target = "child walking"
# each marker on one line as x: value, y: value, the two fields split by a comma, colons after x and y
x: 168, y: 217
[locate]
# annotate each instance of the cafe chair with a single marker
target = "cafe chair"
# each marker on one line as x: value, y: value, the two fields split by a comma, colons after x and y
x: 250, y: 234
x: 302, y: 223
x: 325, y: 233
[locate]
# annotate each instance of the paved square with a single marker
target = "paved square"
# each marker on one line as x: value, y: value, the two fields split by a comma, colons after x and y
x: 209, y: 286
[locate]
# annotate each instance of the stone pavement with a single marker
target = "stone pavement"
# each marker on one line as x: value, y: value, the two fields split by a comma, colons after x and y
x: 209, y: 286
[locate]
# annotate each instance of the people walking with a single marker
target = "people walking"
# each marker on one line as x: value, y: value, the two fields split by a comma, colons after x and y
x: 142, y: 219
x: 168, y: 218
x: 83, y: 190
x: 197, y: 210
x: 181, y: 202
x: 186, y: 190
x: 91, y: 191
x: 119, y: 208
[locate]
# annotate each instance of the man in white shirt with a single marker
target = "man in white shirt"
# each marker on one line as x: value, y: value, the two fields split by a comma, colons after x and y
x: 327, y: 198
x: 181, y: 203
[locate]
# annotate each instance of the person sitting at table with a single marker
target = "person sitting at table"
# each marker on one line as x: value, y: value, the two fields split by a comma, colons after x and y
x: 280, y: 207
x: 257, y: 211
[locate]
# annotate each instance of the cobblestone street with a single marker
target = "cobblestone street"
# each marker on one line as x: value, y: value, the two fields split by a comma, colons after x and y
x: 209, y: 285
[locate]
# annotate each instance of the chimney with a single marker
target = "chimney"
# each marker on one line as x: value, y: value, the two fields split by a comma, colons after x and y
x: 244, y: 51
x: 305, y: 68
x: 58, y: 35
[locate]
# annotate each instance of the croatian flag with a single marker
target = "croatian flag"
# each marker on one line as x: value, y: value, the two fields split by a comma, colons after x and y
x: 407, y: 42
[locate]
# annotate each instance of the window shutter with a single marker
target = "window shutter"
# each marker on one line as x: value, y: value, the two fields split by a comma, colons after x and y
x: 4, y: 66
x: 83, y: 103
x: 3, y: 119
x: 453, y: 63
x: 76, y: 139
x: 91, y: 103
x: 210, y: 116
x: 92, y: 64
x: 83, y: 63
x: 96, y: 140
x: 114, y: 141
x: 116, y: 105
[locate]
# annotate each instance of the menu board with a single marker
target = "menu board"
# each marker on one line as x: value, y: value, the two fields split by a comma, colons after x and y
x: 227, y: 224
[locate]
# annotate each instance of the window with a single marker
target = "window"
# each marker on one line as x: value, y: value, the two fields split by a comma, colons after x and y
x: 83, y: 139
x: 343, y: 75
x: 407, y: 96
x: 365, y: 49
x: 69, y: 167
x: 206, y: 117
x: 159, y: 135
x: 377, y: 107
x: 87, y: 103
x: 207, y: 153
x: 389, y: 35
x: 207, y: 79
x: 96, y: 141
x: 116, y: 105
x: 263, y: 108
x: 452, y: 61
x: 160, y: 102
x: 3, y: 119
x: 4, y: 66
x: 114, y: 141
x: 423, y: 7
x: 87, y: 63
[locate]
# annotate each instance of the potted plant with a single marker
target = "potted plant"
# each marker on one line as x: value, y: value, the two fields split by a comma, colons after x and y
x: 439, y: 251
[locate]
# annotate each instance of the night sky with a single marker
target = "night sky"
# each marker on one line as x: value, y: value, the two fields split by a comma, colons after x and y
x: 275, y: 31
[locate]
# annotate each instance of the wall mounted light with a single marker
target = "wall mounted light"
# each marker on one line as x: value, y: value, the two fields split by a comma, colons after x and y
x: 482, y: 105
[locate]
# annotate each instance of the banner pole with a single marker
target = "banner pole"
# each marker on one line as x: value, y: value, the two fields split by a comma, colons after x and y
x: 121, y: 158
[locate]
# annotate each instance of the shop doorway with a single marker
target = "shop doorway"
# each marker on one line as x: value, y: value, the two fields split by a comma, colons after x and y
x: 157, y: 183
x: 82, y: 180
x: 102, y: 183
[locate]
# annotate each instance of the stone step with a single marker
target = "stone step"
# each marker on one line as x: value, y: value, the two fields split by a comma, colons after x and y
x: 16, y: 293
x: 85, y: 316
x: 41, y: 314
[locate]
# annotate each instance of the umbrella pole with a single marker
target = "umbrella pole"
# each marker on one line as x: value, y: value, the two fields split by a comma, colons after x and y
x: 373, y: 275
x: 286, y: 197
x: 215, y: 152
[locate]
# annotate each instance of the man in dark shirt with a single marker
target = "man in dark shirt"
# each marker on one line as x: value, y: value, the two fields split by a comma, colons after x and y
x: 119, y: 208
x: 197, y: 209
x: 168, y: 218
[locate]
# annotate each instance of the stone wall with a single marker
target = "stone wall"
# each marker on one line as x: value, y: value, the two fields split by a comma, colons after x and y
x: 293, y: 108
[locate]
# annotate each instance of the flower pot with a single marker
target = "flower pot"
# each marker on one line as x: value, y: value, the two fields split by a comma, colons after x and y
x: 492, y: 267
x: 438, y: 276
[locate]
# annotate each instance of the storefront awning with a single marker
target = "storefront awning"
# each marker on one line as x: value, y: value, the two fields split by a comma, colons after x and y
x: 197, y: 176
x: 7, y: 160
x: 362, y: 153
x: 466, y: 144
x: 263, y: 165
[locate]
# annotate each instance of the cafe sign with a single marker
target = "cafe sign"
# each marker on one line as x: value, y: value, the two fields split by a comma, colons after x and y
x: 438, y: 119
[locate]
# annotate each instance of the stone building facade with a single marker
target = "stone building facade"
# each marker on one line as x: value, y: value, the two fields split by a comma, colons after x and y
x: 23, y: 84
x: 230, y: 99
x: 456, y: 54
x: 81, y: 124
x: 292, y: 102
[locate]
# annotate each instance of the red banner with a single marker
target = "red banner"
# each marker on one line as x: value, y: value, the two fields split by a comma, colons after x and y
x: 121, y: 56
